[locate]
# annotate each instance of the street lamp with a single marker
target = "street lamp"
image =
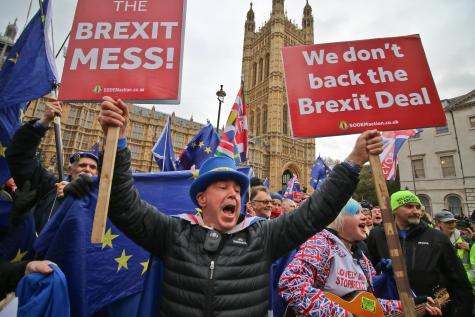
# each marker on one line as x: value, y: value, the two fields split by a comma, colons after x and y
x: 221, y: 94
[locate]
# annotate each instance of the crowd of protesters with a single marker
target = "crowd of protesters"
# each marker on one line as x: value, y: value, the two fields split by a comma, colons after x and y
x: 312, y: 237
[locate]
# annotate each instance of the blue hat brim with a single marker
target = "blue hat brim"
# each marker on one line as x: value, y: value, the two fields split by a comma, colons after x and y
x: 203, y: 181
x: 82, y: 155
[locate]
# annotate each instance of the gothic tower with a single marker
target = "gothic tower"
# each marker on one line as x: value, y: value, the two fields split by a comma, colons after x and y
x: 274, y: 153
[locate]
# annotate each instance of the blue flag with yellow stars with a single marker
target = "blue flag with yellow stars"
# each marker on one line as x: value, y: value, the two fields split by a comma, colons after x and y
x: 16, y: 244
x: 29, y: 72
x: 201, y: 147
x: 163, y: 150
x: 103, y: 274
x: 319, y: 173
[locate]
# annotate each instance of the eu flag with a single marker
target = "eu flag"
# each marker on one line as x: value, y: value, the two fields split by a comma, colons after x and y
x: 28, y: 73
x: 163, y: 150
x: 200, y: 148
x: 319, y: 173
x: 100, y: 275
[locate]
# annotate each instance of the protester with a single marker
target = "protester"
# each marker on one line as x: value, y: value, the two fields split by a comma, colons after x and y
x: 40, y: 190
x: 446, y: 222
x: 376, y: 215
x: 212, y: 264
x: 331, y: 261
x: 288, y: 205
x: 260, y: 202
x: 11, y: 273
x: 431, y: 262
x: 276, y: 205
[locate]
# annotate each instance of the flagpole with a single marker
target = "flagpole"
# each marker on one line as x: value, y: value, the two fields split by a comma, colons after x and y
x: 167, y: 125
x: 394, y: 246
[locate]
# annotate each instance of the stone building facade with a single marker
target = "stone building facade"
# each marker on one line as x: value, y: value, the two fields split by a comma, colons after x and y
x: 439, y: 163
x: 274, y: 153
x: 81, y: 130
x: 7, y: 40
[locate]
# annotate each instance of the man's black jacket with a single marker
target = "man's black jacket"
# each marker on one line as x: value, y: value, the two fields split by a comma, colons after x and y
x: 431, y: 263
x: 234, y: 280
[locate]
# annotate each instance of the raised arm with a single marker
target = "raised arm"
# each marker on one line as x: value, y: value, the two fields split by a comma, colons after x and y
x: 292, y: 229
x: 141, y: 222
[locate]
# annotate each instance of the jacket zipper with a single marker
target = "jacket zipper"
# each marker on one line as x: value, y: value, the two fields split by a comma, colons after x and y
x: 211, y: 270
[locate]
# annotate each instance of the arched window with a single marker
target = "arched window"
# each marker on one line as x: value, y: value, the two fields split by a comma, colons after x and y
x: 254, y: 74
x: 261, y: 69
x: 285, y: 116
x: 454, y: 204
x: 425, y: 200
x: 266, y: 65
x: 285, y: 178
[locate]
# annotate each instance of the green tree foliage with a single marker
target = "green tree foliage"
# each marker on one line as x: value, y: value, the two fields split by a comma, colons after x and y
x: 366, y: 189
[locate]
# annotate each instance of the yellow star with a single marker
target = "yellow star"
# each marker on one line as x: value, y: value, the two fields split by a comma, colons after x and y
x: 108, y: 237
x: 195, y: 174
x: 14, y: 59
x: 19, y: 256
x: 201, y: 144
x: 208, y: 150
x: 145, y: 266
x: 193, y: 144
x: 236, y: 155
x: 122, y: 260
x: 3, y: 149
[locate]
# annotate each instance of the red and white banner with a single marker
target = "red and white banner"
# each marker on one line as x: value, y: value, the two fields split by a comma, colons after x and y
x: 350, y: 87
x: 128, y: 49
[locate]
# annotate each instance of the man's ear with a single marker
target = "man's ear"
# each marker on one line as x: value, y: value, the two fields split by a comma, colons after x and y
x: 201, y: 199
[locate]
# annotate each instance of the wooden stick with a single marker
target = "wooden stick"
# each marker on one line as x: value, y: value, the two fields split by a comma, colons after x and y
x: 105, y: 184
x: 395, y: 251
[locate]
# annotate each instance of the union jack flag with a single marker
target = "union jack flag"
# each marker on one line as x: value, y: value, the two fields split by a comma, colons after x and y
x: 393, y: 141
x: 293, y: 188
x: 234, y: 139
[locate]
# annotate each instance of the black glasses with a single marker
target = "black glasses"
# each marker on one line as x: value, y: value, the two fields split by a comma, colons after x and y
x: 265, y: 202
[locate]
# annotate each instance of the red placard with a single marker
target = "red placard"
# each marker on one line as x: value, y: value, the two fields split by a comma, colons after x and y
x: 128, y: 49
x: 350, y: 87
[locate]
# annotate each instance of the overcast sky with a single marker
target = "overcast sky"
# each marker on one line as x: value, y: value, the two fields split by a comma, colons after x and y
x: 215, y: 28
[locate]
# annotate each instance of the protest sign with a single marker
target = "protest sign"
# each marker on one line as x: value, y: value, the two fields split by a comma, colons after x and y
x: 128, y: 49
x: 350, y: 87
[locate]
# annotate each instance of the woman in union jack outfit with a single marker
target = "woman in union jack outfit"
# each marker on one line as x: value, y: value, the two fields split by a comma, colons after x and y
x: 332, y: 262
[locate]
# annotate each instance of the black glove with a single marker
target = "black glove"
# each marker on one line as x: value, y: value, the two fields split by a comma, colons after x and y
x: 420, y: 300
x: 79, y: 187
x: 24, y: 201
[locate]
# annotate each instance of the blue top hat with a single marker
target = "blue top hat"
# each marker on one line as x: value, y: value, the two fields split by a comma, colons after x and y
x: 78, y: 155
x: 216, y: 169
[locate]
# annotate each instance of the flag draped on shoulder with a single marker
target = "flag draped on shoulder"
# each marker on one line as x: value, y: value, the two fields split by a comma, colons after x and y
x: 163, y: 150
x: 201, y: 147
x: 234, y: 139
x: 393, y: 141
x: 28, y: 73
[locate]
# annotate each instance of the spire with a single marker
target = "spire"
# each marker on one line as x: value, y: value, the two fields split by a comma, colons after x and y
x: 307, y: 23
x: 277, y: 6
x: 250, y: 25
x: 11, y: 30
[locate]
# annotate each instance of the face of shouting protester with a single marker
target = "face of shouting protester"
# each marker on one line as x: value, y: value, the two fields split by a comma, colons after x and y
x: 354, y: 226
x: 376, y: 215
x: 221, y: 204
x: 85, y: 165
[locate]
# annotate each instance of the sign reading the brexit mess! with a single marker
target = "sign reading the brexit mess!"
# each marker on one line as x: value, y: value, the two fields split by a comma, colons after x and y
x: 128, y: 49
x: 350, y: 87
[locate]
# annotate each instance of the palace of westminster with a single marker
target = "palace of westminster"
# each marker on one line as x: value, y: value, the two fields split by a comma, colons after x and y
x: 274, y: 153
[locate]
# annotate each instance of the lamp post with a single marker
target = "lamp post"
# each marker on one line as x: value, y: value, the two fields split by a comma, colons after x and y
x: 221, y: 94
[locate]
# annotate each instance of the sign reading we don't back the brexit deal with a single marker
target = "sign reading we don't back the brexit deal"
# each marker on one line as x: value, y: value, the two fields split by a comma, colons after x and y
x: 350, y: 87
x: 128, y: 49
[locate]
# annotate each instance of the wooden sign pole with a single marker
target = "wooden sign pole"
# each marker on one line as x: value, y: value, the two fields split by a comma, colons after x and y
x: 395, y: 251
x: 105, y: 184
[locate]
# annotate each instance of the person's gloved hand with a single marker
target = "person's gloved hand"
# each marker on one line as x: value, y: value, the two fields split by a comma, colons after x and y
x: 79, y: 187
x: 386, y: 265
x: 24, y: 201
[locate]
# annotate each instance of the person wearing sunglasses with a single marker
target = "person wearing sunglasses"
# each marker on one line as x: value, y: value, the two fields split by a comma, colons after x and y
x: 431, y: 261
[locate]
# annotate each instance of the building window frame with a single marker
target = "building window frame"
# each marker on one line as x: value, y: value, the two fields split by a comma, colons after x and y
x: 471, y: 122
x: 418, y: 171
x: 448, y: 171
x: 454, y: 204
x: 426, y: 202
x: 442, y: 130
